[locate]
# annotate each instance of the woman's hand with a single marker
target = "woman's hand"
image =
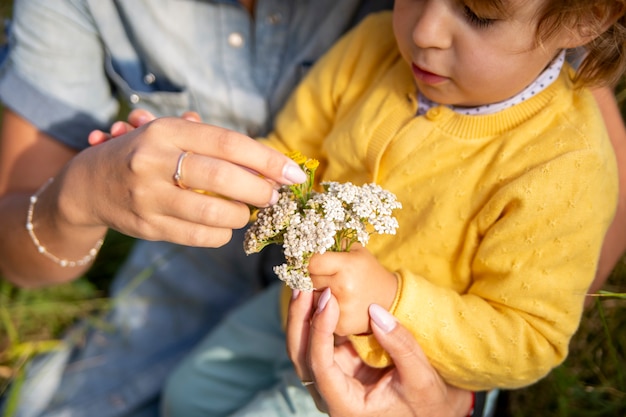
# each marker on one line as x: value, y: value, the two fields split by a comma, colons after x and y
x: 345, y: 387
x: 135, y: 171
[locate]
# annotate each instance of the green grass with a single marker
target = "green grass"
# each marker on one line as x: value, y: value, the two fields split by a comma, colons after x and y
x: 592, y: 381
x: 33, y: 321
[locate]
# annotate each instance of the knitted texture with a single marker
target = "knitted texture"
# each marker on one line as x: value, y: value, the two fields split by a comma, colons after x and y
x: 503, y: 215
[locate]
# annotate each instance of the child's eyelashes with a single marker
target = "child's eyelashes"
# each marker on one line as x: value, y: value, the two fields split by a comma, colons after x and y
x: 475, y: 20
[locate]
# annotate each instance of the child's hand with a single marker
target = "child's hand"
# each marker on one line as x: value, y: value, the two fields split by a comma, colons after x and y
x: 96, y: 137
x: 357, y: 280
x: 136, y: 118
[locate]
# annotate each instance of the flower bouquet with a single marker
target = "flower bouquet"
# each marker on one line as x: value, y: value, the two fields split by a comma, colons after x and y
x: 306, y: 221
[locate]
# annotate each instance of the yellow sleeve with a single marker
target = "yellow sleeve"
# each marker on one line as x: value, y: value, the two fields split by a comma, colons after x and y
x: 540, y: 240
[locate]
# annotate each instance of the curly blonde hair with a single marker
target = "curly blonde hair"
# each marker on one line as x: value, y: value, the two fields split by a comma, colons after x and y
x: 601, y: 22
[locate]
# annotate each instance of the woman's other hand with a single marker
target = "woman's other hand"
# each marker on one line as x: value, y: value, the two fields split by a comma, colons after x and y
x: 344, y: 386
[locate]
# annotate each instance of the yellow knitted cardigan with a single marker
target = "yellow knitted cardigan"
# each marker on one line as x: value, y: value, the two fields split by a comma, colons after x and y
x: 503, y: 215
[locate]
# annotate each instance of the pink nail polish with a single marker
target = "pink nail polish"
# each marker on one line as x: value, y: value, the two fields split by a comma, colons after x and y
x: 293, y: 173
x: 274, y: 198
x: 323, y: 300
x: 382, y: 318
x: 295, y: 293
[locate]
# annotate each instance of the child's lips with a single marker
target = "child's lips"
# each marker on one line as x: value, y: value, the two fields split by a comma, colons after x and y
x: 427, y: 76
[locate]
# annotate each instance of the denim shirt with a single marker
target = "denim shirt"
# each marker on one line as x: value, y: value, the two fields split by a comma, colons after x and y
x: 70, y: 61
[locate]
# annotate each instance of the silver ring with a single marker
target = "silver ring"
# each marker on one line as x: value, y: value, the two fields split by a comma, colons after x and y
x: 307, y: 383
x: 178, y: 175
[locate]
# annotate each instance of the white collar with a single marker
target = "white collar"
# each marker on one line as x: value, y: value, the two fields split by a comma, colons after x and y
x: 547, y: 77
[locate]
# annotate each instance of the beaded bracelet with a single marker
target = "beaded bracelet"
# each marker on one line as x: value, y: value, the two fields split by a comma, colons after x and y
x: 42, y: 249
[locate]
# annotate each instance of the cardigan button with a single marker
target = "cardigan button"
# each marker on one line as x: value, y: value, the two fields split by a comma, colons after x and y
x: 434, y: 113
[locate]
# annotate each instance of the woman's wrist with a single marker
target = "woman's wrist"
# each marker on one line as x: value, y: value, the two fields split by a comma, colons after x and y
x: 51, y: 222
x: 464, y: 403
x: 43, y: 250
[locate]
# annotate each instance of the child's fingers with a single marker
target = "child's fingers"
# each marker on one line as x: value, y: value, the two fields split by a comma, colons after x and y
x: 121, y: 128
x: 192, y: 116
x: 325, y: 264
x: 96, y: 137
x: 329, y: 263
x: 140, y: 117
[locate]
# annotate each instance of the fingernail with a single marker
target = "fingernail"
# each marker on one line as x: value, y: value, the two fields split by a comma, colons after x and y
x: 274, y: 198
x: 142, y: 120
x: 323, y: 300
x: 117, y: 126
x: 295, y: 293
x: 293, y: 173
x: 382, y: 318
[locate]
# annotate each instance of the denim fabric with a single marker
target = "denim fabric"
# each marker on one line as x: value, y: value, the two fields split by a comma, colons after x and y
x: 241, y: 369
x: 490, y: 403
x: 73, y: 57
x: 167, y: 298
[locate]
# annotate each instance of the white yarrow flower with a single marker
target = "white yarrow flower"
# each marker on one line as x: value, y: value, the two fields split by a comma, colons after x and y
x: 306, y: 222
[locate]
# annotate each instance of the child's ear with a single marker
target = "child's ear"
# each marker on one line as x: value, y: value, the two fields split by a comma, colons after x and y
x: 599, y: 19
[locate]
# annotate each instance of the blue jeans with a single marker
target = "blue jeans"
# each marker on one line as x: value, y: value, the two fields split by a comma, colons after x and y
x: 166, y: 298
x: 241, y: 369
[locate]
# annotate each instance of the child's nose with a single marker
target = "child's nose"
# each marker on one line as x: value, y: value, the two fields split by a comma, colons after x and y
x: 433, y: 27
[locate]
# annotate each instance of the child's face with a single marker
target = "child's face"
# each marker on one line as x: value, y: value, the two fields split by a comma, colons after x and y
x: 460, y: 57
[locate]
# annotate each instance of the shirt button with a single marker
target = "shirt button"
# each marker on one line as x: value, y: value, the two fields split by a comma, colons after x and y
x: 274, y: 18
x: 149, y: 78
x: 235, y: 40
x: 434, y: 113
x: 134, y: 98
